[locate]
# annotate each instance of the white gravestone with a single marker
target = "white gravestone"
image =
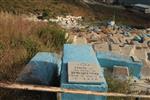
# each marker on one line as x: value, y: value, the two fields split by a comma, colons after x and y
x: 121, y: 72
x: 83, y: 73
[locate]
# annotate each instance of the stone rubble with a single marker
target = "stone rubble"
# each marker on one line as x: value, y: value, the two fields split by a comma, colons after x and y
x: 68, y: 22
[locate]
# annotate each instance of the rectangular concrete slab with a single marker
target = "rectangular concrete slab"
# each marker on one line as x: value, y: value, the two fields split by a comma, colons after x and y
x: 101, y: 46
x: 126, y: 50
x: 82, y: 54
x: 109, y: 60
x: 115, y: 49
x: 42, y: 69
x: 121, y: 72
x: 83, y: 73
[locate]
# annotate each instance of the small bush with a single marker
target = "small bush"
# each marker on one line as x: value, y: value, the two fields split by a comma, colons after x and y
x: 23, y: 40
x: 45, y: 15
x: 31, y: 47
x: 1, y: 46
x: 14, y: 42
x: 52, y: 37
x: 118, y: 86
x: 20, y: 40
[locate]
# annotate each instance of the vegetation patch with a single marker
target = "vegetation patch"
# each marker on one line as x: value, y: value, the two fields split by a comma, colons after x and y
x: 23, y: 40
x: 52, y: 37
x: 20, y: 43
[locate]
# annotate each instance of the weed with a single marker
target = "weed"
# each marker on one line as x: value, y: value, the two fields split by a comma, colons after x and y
x: 118, y: 86
x: 1, y: 46
x: 20, y: 43
x: 52, y: 37
x: 23, y: 40
x: 31, y: 47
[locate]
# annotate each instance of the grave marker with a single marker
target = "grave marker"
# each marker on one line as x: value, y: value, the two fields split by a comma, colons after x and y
x: 83, y: 73
x: 120, y: 71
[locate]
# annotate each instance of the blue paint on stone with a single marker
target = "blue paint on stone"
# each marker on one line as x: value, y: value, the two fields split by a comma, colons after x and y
x: 109, y: 60
x: 82, y: 54
x: 42, y: 70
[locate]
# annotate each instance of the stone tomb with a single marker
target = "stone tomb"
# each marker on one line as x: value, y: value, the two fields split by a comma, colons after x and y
x: 115, y: 49
x: 83, y: 73
x: 120, y: 72
x: 101, y: 47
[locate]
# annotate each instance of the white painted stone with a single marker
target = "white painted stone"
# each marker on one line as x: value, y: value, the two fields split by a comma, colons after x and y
x: 120, y: 72
x: 79, y: 40
x: 83, y: 73
x: 101, y: 47
x: 115, y: 49
x: 127, y: 50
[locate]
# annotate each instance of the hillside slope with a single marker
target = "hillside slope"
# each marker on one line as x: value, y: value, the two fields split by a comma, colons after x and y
x: 74, y: 7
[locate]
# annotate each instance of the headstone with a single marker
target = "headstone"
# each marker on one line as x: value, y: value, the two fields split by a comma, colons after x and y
x: 144, y: 45
x: 83, y: 73
x: 141, y: 54
x: 120, y: 72
x: 126, y: 50
x: 146, y: 71
x: 135, y: 58
x: 101, y: 47
x: 115, y: 49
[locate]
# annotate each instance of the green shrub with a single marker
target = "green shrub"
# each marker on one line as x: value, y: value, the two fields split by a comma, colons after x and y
x: 31, y: 47
x: 46, y: 14
x: 1, y: 46
x: 52, y: 37
x: 118, y: 86
x: 14, y: 42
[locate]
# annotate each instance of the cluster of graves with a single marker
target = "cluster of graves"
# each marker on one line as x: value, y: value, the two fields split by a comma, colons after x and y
x: 80, y: 67
x: 120, y: 50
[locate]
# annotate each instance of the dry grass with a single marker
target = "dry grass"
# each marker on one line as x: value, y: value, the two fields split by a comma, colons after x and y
x: 13, y: 30
x: 19, y: 41
x: 54, y: 8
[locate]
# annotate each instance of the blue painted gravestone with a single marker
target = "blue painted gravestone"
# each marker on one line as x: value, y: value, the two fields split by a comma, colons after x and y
x: 77, y: 59
x: 109, y: 60
x: 42, y: 69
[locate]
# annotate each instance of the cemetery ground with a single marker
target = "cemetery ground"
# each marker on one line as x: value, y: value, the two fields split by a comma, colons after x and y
x: 21, y: 39
x: 54, y: 8
x: 20, y: 43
